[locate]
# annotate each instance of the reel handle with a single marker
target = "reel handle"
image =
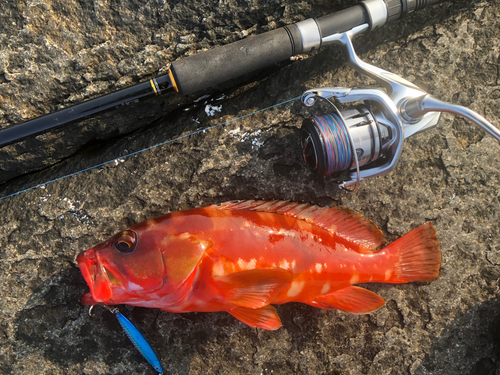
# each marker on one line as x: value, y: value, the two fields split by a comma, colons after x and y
x: 415, y: 108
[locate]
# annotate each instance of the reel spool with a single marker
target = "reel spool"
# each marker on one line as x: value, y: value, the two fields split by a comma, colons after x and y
x: 343, y: 140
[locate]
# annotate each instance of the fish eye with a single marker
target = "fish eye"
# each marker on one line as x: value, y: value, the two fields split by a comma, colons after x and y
x: 125, y: 242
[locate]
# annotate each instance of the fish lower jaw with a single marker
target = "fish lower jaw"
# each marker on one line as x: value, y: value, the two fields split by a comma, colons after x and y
x: 88, y: 300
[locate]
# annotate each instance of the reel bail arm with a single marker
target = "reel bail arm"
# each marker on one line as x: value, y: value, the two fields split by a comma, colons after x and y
x: 376, y: 129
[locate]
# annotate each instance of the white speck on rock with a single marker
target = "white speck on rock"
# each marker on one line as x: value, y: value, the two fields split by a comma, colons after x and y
x: 201, y: 98
x: 211, y: 109
x: 254, y: 137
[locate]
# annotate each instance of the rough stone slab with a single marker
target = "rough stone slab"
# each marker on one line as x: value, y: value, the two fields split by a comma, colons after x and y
x: 450, y: 175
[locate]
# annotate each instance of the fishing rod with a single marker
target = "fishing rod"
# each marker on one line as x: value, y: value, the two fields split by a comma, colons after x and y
x: 203, y: 70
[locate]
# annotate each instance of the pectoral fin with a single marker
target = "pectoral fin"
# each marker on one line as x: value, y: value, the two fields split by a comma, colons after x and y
x: 352, y: 299
x: 265, y: 317
x: 253, y: 289
x: 181, y: 254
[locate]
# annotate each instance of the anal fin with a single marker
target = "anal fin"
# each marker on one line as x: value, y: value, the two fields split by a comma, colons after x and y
x: 253, y: 289
x: 266, y: 317
x: 352, y: 299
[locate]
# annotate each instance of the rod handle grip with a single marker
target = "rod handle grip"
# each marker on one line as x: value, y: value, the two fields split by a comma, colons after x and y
x: 210, y: 68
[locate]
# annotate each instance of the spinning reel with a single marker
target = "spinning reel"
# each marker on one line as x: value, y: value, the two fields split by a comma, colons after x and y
x: 367, y: 139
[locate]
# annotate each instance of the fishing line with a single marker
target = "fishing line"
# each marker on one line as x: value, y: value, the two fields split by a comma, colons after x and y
x: 328, y: 145
x: 146, y: 149
x: 334, y: 140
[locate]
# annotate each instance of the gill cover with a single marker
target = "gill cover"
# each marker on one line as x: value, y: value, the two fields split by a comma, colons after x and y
x: 181, y: 254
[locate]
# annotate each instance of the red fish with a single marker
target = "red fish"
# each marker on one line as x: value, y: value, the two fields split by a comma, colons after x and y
x: 243, y: 256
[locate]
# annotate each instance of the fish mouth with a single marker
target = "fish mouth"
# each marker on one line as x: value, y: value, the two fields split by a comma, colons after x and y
x: 96, y: 277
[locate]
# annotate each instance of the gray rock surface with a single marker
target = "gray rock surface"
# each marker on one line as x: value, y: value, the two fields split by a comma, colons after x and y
x: 59, y: 53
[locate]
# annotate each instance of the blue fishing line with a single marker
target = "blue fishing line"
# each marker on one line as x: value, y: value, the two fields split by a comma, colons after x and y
x: 146, y: 149
x: 335, y: 139
x: 139, y: 341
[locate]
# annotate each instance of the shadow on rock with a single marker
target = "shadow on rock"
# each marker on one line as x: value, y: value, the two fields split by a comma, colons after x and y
x: 469, y: 345
x: 55, y: 325
x: 53, y: 321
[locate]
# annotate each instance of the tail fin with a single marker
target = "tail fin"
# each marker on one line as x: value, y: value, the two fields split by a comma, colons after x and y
x: 419, y: 255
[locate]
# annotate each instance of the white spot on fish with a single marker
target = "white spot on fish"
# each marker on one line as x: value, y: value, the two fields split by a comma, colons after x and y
x: 284, y: 264
x: 354, y: 279
x: 218, y: 269
x: 326, y: 288
x: 319, y: 267
x: 250, y: 265
x: 135, y: 287
x: 388, y: 274
x: 295, y: 288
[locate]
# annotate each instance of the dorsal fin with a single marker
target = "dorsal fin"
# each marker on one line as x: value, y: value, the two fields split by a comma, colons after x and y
x: 347, y: 225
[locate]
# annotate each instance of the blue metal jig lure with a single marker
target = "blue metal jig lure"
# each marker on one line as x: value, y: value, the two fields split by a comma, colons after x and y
x: 136, y: 337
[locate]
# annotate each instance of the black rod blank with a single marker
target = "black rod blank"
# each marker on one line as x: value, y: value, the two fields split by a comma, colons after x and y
x: 85, y: 110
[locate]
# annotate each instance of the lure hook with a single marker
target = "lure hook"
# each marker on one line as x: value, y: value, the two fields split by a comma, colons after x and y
x: 113, y: 311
